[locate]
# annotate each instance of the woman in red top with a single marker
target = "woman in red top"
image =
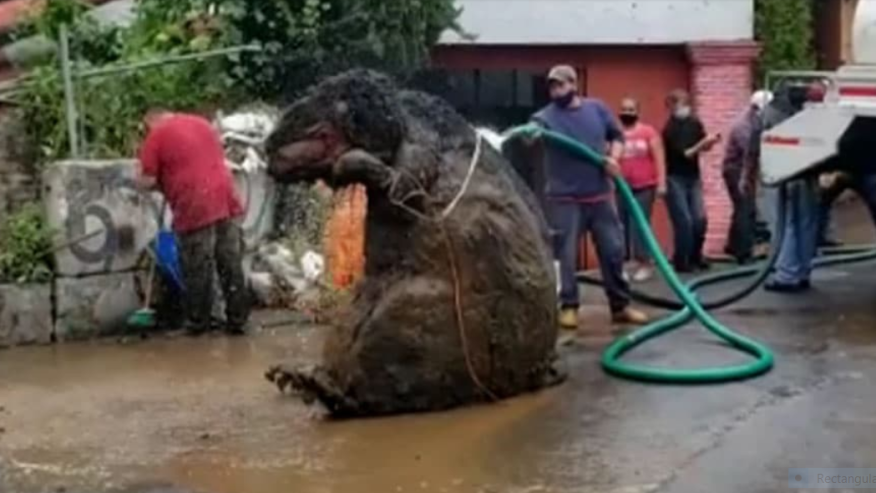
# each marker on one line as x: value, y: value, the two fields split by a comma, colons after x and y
x: 644, y: 169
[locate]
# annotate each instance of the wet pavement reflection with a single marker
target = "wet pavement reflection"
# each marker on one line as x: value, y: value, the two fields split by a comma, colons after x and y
x: 198, y: 415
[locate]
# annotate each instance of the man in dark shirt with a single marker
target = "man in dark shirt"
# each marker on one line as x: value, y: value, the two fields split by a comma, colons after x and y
x: 579, y: 195
x: 685, y: 138
x: 740, y: 169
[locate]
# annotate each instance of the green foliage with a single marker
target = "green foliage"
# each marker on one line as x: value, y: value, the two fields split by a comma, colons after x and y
x: 300, y: 40
x: 112, y: 107
x: 303, y: 40
x: 25, y: 247
x: 786, y: 32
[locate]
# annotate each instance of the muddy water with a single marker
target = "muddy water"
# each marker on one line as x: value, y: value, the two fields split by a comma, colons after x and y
x: 197, y: 413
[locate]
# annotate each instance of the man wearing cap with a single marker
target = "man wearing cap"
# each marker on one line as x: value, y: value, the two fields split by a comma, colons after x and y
x: 579, y: 195
x: 741, y: 158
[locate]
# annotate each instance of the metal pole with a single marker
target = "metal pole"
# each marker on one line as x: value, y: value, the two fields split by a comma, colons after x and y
x: 69, y: 95
x: 116, y: 69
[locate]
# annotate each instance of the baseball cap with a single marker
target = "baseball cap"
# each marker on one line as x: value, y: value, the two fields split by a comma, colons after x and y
x: 563, y: 73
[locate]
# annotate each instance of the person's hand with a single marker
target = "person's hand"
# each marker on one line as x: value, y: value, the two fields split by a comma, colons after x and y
x: 710, y: 141
x: 827, y: 180
x: 661, y: 189
x: 612, y: 167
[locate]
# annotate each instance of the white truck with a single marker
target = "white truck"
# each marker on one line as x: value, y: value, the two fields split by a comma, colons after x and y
x: 847, y: 114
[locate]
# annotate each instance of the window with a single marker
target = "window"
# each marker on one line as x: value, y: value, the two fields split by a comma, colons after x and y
x: 496, y: 98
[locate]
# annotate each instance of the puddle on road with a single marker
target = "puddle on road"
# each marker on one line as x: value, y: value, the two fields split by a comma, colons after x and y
x: 198, y: 414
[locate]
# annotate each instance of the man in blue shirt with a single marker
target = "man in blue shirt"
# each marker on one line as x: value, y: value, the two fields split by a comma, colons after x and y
x: 579, y: 195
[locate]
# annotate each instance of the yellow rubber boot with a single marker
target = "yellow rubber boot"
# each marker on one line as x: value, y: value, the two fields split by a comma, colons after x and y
x: 569, y: 319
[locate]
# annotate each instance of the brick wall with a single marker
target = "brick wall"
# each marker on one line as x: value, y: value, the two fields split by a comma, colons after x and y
x: 721, y: 84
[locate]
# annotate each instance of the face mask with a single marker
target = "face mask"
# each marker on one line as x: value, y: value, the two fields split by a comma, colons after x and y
x: 565, y: 100
x: 682, y: 112
x: 629, y: 120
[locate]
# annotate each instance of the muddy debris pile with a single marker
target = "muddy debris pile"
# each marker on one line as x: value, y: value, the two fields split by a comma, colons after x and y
x: 458, y: 303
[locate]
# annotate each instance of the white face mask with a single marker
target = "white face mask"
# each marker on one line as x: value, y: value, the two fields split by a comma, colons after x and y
x: 682, y: 112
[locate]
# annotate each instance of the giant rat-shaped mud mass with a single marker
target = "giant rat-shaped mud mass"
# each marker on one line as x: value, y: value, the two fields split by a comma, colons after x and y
x: 458, y: 303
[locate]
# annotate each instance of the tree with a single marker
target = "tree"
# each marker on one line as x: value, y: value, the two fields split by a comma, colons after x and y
x: 305, y: 39
x: 785, y: 30
x: 300, y: 41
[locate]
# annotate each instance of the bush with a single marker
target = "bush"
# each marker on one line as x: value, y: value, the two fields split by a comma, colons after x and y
x: 785, y: 30
x: 25, y: 247
x: 301, y: 40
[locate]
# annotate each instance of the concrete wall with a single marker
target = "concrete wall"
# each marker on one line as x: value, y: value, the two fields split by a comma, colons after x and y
x: 96, y: 285
x: 537, y: 22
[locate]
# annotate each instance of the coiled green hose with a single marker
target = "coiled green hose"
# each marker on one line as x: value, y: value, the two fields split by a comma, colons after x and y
x: 693, y: 310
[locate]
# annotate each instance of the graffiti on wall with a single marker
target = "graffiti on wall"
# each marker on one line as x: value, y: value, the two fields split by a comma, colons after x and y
x: 106, y: 223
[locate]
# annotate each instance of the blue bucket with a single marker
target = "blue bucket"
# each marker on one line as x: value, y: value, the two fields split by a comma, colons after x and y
x: 167, y: 259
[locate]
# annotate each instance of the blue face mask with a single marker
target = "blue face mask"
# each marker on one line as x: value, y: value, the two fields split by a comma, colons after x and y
x: 565, y: 100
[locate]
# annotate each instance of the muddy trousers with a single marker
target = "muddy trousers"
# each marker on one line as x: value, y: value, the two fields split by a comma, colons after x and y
x: 204, y: 253
x: 570, y: 221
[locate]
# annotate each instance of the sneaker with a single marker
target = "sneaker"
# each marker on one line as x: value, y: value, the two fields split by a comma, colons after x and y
x: 629, y: 316
x: 625, y: 276
x: 569, y: 318
x: 643, y: 274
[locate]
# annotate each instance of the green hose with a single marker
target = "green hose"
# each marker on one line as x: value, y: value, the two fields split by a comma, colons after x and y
x: 611, y: 362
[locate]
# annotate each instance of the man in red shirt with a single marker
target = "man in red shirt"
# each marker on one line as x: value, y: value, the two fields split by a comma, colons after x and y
x: 183, y: 157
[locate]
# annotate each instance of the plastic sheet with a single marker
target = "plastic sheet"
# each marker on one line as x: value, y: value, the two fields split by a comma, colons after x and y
x: 345, y: 236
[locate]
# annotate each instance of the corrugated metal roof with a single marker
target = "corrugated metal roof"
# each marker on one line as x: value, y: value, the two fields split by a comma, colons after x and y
x: 543, y: 22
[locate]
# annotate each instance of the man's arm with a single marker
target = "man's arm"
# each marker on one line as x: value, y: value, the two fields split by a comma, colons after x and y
x: 658, y: 154
x: 615, y: 138
x: 704, y: 142
x: 150, y: 163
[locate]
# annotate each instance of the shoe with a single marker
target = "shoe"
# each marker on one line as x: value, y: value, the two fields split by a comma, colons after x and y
x: 569, y: 318
x: 787, y: 288
x: 829, y: 243
x: 643, y: 274
x: 702, y: 265
x: 682, y: 268
x: 237, y: 329
x: 625, y: 276
x: 629, y: 316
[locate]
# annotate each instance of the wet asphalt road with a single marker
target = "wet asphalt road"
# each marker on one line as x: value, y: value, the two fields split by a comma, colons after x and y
x: 197, y: 414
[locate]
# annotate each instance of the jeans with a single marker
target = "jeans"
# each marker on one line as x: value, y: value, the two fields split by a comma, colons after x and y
x: 635, y: 243
x: 800, y: 244
x: 743, y: 228
x: 204, y: 253
x: 688, y: 216
x: 569, y: 222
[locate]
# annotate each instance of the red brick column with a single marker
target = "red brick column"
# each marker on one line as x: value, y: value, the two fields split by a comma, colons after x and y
x: 721, y: 83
